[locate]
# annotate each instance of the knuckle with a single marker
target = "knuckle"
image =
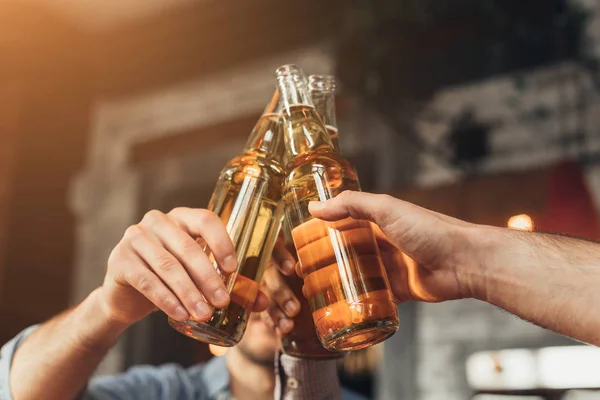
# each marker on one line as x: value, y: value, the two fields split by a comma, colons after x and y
x: 167, y: 263
x: 145, y: 284
x: 133, y: 231
x: 210, y: 278
x: 152, y: 217
x: 189, y: 245
x: 168, y: 303
x: 191, y: 295
x: 205, y: 215
x: 178, y: 210
x: 282, y: 296
x: 345, y: 196
x: 268, y: 319
x: 275, y: 312
x: 272, y: 280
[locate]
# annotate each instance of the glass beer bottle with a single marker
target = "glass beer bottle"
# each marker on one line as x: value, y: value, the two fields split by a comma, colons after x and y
x: 303, y: 341
x: 322, y: 92
x: 247, y: 198
x: 344, y: 279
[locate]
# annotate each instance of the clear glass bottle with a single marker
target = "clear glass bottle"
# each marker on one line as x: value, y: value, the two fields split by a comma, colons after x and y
x: 344, y: 278
x: 303, y: 341
x: 247, y: 198
x: 322, y: 92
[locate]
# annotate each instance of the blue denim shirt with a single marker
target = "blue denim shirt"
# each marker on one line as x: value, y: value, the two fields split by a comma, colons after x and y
x: 167, y: 382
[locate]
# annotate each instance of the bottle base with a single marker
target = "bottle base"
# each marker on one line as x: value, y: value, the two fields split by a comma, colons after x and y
x: 203, y: 333
x: 360, y: 336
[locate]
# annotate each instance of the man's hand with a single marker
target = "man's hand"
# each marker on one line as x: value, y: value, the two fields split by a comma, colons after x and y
x: 278, y: 280
x: 159, y: 264
x: 441, y: 258
x: 284, y: 305
x: 423, y: 247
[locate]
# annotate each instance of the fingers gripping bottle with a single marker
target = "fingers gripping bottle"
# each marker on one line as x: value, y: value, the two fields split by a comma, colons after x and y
x: 303, y: 341
x: 344, y: 279
x: 247, y: 198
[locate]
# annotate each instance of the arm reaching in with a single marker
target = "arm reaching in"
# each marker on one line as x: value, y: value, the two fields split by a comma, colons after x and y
x: 550, y: 280
x: 157, y: 265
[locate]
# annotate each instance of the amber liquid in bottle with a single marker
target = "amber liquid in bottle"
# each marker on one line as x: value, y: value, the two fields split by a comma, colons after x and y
x: 344, y: 279
x: 247, y: 199
x: 302, y: 341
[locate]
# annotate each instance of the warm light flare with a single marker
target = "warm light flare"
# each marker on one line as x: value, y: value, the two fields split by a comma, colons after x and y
x: 522, y: 222
x: 559, y: 367
x: 217, y: 351
x: 414, y: 281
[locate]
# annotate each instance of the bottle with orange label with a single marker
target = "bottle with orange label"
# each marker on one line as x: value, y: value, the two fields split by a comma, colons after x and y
x: 247, y: 198
x: 344, y: 279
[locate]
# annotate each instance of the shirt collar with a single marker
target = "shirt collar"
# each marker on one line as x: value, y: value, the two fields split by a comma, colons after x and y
x: 216, y: 376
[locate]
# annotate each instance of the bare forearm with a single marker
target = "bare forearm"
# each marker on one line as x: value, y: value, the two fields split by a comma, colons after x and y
x: 57, y: 360
x: 552, y: 281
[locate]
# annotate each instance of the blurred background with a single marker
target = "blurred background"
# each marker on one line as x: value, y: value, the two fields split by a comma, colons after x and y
x: 487, y: 110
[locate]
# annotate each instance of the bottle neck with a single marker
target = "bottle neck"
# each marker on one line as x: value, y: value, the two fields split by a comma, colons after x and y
x: 304, y: 130
x: 324, y: 102
x: 325, y: 105
x: 266, y: 136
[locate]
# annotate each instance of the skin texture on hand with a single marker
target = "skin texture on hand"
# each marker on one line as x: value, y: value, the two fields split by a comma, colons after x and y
x: 284, y: 305
x: 419, y: 254
x: 159, y: 264
x: 550, y: 280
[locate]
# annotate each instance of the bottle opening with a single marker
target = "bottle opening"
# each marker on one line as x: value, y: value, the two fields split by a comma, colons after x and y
x: 293, y: 86
x: 289, y: 70
x: 322, y: 83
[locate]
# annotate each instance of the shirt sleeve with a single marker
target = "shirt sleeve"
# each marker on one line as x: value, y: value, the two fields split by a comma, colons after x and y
x: 6, y: 356
x: 300, y: 379
x: 166, y: 382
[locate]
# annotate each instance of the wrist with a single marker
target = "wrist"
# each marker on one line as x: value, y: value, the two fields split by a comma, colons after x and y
x: 100, y: 328
x: 479, y: 246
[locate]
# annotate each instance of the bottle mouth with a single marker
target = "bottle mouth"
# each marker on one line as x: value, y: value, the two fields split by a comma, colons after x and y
x: 322, y: 83
x: 290, y: 71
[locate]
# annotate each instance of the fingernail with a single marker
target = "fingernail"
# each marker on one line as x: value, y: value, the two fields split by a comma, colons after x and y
x: 230, y: 264
x: 202, y: 309
x: 181, y: 314
x: 221, y: 297
x: 286, y: 325
x: 288, y: 266
x: 291, y: 308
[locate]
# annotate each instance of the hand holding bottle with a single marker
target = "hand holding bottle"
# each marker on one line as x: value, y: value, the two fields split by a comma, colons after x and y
x: 283, y: 304
x: 159, y: 264
x: 424, y: 265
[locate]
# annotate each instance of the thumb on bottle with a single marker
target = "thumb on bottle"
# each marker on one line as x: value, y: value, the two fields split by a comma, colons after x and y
x: 358, y: 205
